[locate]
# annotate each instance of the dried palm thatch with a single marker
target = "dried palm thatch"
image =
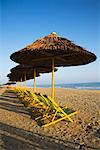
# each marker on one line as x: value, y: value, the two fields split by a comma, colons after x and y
x: 10, y: 83
x: 64, y: 52
x: 16, y: 76
x: 29, y: 69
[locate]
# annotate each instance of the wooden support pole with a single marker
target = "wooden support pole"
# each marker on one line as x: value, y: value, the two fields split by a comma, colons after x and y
x: 16, y: 83
x: 53, y: 92
x: 25, y: 80
x: 20, y: 82
x: 34, y: 80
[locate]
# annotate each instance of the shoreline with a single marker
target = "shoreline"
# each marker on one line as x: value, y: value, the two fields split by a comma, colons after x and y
x: 79, y: 86
x: 29, y: 87
x: 65, y: 88
x: 68, y: 88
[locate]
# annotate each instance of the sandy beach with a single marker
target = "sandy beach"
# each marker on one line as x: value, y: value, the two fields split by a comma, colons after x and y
x: 19, y: 131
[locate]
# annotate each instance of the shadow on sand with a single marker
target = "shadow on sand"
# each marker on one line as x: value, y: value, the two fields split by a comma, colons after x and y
x: 10, y: 102
x: 13, y: 138
x: 19, y: 139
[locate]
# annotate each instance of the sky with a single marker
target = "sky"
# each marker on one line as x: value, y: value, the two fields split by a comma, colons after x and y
x: 24, y: 21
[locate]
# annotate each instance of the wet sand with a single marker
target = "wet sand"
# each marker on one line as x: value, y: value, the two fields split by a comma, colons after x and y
x: 19, y: 131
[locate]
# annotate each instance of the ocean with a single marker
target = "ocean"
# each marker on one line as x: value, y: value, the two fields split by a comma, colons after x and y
x: 84, y: 86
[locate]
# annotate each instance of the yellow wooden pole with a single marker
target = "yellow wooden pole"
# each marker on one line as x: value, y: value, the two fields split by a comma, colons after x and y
x: 34, y: 80
x: 20, y: 82
x: 53, y: 79
x: 17, y: 84
x: 25, y: 80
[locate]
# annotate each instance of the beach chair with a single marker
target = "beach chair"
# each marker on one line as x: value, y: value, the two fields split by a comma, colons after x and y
x: 60, y: 114
x: 44, y: 109
x: 31, y: 99
x: 22, y: 95
x: 54, y: 113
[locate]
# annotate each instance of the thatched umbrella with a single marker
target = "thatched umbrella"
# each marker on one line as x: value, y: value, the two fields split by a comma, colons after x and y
x: 10, y: 83
x: 20, y: 77
x: 24, y: 69
x: 29, y: 69
x: 53, y: 50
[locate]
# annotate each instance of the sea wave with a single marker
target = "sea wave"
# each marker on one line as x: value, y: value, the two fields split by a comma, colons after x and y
x: 88, y: 88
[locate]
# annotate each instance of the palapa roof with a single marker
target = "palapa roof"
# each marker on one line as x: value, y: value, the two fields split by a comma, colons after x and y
x: 30, y: 69
x: 15, y: 76
x: 65, y: 52
x: 9, y: 83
